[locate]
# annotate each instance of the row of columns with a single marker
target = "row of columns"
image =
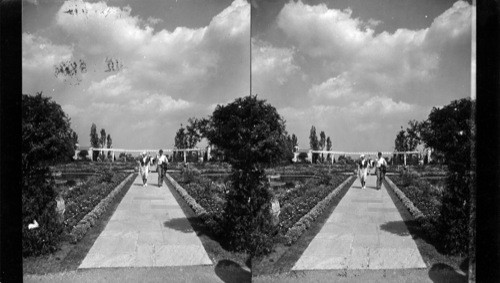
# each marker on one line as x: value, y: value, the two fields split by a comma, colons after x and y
x: 295, y: 154
x: 113, y: 150
x: 333, y: 153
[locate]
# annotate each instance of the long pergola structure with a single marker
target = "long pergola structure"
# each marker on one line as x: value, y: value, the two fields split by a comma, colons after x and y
x: 113, y: 150
x: 333, y: 153
x: 309, y: 152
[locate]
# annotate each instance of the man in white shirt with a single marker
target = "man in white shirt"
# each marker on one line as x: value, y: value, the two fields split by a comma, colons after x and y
x: 380, y: 169
x: 161, y: 167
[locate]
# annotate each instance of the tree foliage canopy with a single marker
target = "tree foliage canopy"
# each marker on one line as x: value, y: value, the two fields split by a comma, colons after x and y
x: 409, y: 139
x: 313, y: 139
x: 328, y: 144
x: 94, y: 138
x: 448, y: 130
x: 322, y: 140
x: 249, y: 131
x: 46, y: 133
x: 180, y: 140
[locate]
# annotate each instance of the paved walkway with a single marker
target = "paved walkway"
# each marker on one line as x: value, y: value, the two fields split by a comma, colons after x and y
x: 147, y: 229
x: 365, y: 231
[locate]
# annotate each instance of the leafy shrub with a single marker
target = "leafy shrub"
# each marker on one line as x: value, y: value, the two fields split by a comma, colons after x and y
x: 190, y: 175
x: 83, y: 154
x: 302, y: 156
x: 408, y: 178
x: 454, y: 220
x: 38, y: 202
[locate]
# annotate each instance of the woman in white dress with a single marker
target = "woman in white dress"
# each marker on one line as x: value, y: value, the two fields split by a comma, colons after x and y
x: 144, y: 163
x: 362, y: 170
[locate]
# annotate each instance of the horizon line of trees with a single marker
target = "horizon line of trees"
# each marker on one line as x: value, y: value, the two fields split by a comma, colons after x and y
x: 104, y: 141
x: 319, y: 144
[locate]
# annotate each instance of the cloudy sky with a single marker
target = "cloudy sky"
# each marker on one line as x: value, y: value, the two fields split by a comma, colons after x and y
x: 172, y: 60
x: 359, y: 70
x: 356, y: 69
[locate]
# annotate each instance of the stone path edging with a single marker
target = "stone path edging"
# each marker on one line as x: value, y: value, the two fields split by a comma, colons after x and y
x: 198, y: 209
x: 82, y: 227
x: 305, y: 222
x: 415, y: 212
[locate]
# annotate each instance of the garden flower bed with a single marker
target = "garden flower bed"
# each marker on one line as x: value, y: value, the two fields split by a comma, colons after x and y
x: 92, y: 167
x: 82, y: 199
x: 208, y: 194
x: 424, y: 195
x: 298, y: 201
x: 296, y: 198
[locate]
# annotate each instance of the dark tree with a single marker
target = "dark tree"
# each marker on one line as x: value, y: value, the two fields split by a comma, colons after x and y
x: 289, y: 149
x: 322, y: 143
x: 47, y: 138
x: 314, y: 143
x: 249, y: 131
x: 102, y: 140
x: 400, y: 143
x: 448, y: 130
x: 409, y: 139
x: 94, y: 138
x: 328, y: 146
x: 180, y: 141
x: 83, y: 154
x: 294, y: 141
x: 102, y: 143
x: 313, y: 139
x: 109, y: 141
x: 46, y: 132
x: 252, y: 135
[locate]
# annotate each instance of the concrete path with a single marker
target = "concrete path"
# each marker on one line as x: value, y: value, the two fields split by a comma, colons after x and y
x: 365, y: 231
x: 148, y: 229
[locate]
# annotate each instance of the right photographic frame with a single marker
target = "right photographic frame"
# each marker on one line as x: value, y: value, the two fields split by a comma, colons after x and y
x: 378, y: 104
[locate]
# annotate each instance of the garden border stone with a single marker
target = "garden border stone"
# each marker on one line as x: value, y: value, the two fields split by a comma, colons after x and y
x: 197, y: 208
x: 415, y: 212
x: 89, y: 220
x: 306, y: 221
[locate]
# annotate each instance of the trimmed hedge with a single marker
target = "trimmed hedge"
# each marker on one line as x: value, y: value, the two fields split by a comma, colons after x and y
x: 198, y: 209
x: 306, y: 221
x: 415, y: 212
x: 297, y: 202
x: 89, y: 220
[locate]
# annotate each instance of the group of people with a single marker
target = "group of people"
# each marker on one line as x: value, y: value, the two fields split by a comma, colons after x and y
x: 145, y: 161
x: 380, y: 166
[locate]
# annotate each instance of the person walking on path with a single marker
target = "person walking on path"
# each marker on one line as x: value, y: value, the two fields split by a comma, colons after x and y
x: 362, y: 170
x: 380, y: 169
x: 144, y: 163
x: 161, y: 167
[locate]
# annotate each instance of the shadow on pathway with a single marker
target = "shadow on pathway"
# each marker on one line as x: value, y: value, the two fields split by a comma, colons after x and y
x: 230, y: 271
x: 396, y: 227
x: 441, y: 272
x: 179, y: 224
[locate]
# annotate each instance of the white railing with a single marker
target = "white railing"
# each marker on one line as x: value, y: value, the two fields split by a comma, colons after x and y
x: 333, y: 153
x: 120, y: 150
